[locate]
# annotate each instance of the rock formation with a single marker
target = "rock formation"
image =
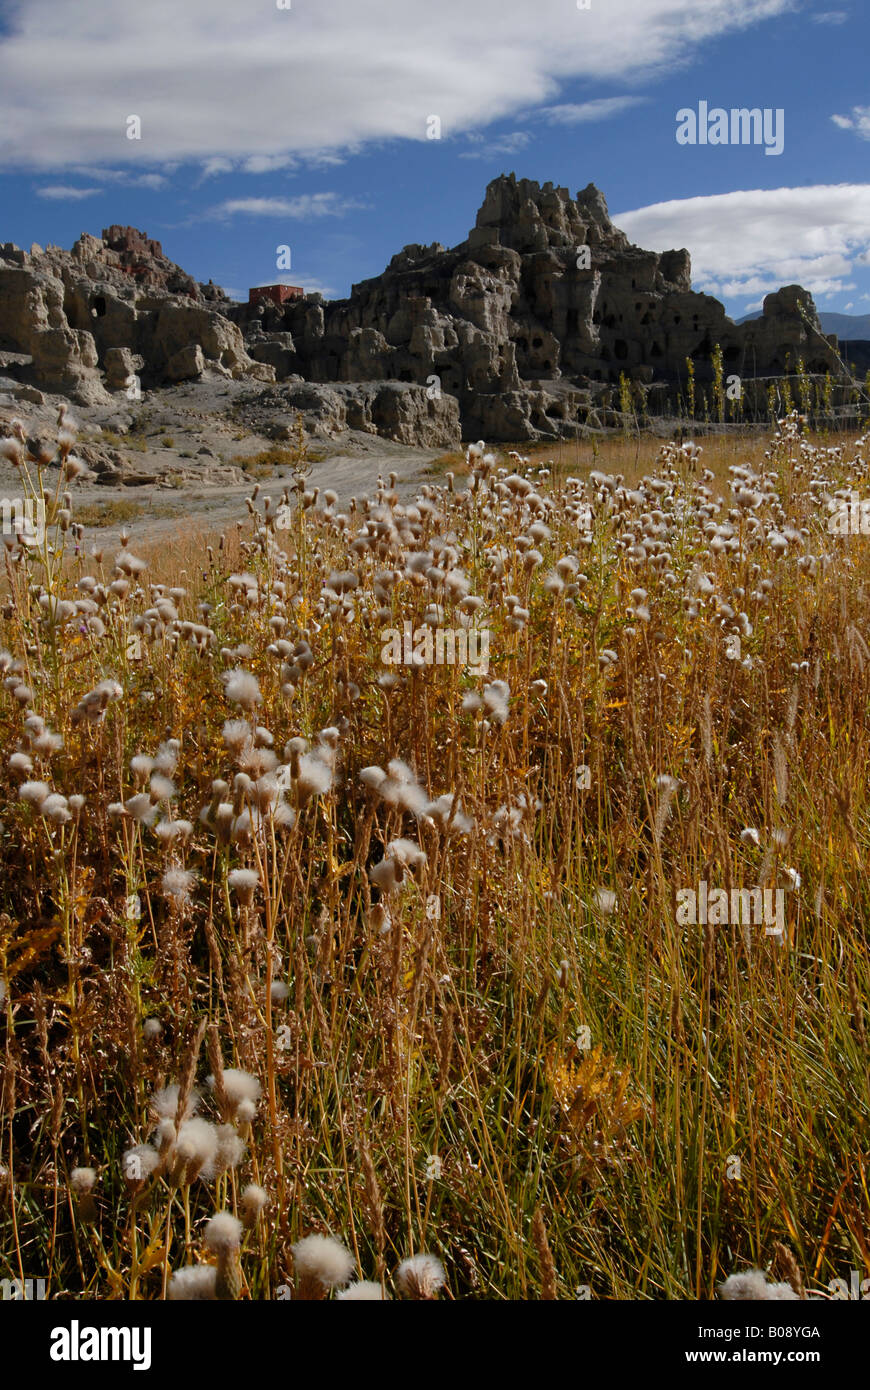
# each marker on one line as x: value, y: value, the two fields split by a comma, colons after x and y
x: 530, y: 321
x: 74, y: 312
x: 520, y: 332
x: 394, y: 410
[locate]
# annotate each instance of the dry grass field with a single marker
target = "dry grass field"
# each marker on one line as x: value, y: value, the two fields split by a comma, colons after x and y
x: 322, y: 976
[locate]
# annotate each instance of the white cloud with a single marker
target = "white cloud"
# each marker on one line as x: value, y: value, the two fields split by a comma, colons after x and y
x: 502, y: 145
x: 331, y: 159
x: 299, y: 209
x: 754, y: 241
x: 569, y: 113
x: 216, y: 165
x: 262, y: 164
x: 149, y: 181
x: 600, y: 110
x: 266, y: 163
x: 107, y: 175
x: 830, y: 17
x: 218, y: 78
x: 859, y: 121
x: 63, y: 193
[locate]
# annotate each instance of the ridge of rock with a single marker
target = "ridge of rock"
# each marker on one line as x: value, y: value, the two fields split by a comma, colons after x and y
x: 519, y: 332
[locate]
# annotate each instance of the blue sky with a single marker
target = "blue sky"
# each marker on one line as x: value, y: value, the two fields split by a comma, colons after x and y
x: 306, y: 126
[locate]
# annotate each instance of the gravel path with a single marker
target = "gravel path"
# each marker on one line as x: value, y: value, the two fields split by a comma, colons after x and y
x: 192, y: 438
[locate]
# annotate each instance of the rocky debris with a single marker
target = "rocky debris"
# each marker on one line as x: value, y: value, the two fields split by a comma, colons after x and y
x: 186, y: 364
x: 29, y: 394
x: 107, y: 464
x: 276, y: 349
x: 121, y: 367
x: 392, y: 410
x: 124, y: 477
x: 530, y: 323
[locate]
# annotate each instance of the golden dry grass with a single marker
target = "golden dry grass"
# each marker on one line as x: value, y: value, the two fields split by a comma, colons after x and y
x: 519, y: 1059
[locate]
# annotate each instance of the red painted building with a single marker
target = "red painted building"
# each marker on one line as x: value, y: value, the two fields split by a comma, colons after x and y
x: 274, y: 294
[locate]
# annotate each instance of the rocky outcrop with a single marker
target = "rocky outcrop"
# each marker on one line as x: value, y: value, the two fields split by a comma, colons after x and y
x: 186, y: 365
x: 121, y: 367
x: 140, y: 257
x: 392, y: 409
x: 173, y: 327
x: 111, y: 308
x: 33, y: 322
x: 532, y: 320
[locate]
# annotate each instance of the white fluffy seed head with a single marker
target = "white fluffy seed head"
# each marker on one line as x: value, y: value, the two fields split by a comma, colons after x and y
x: 223, y: 1232
x: 178, y: 884
x: 34, y: 792
x: 56, y: 809
x: 752, y: 1285
x: 196, y: 1146
x: 254, y: 1198
x: 230, y: 1151
x: 195, y: 1282
x: 165, y: 1132
x: 314, y: 778
x: 164, y: 1103
x: 236, y: 733
x: 384, y: 875
x: 420, y: 1277
x: 141, y: 808
x: 243, y: 882
x: 245, y: 1111
x: 239, y: 1085
x: 605, y: 901
x: 139, y: 1162
x: 496, y: 698
x: 363, y: 1291
x: 406, y: 853
x: 142, y: 766
x: 372, y: 777
x: 83, y: 1179
x: 324, y: 1259
x: 242, y: 688
x: 162, y: 788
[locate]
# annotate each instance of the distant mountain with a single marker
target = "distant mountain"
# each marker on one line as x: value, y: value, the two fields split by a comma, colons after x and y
x: 846, y: 326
